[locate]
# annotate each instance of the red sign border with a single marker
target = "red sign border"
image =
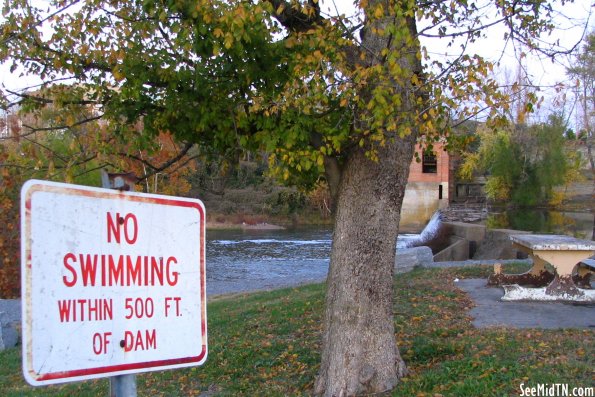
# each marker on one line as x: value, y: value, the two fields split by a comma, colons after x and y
x: 28, y: 190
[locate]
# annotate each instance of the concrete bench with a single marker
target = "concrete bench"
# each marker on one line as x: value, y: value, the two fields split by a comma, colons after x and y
x: 584, y: 271
x: 564, y: 254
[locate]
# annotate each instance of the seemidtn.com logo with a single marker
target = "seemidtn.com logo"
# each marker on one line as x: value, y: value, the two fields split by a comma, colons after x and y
x: 556, y: 390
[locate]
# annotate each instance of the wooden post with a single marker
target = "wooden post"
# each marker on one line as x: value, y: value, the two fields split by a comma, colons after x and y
x: 120, y: 385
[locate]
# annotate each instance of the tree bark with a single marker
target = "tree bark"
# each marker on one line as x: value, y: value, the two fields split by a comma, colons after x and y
x: 360, y: 354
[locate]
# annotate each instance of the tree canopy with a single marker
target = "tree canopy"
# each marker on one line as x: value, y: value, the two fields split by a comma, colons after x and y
x: 276, y: 75
x: 524, y: 163
x: 583, y: 70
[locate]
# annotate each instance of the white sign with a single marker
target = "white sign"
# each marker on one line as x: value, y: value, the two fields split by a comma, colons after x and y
x: 112, y: 282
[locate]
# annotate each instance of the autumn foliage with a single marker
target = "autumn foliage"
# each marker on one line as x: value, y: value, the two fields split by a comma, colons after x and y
x: 38, y: 150
x: 9, y: 232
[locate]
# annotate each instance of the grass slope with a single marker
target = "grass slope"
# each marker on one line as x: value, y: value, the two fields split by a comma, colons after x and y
x: 267, y: 344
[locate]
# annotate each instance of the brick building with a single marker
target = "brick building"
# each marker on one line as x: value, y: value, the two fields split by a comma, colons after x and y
x: 429, y: 187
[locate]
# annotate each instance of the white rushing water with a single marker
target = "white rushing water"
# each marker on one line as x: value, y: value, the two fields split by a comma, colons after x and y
x: 427, y: 234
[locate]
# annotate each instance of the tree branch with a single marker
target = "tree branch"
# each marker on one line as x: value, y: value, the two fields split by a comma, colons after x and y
x: 162, y: 167
x: 38, y: 23
x: 62, y: 127
x: 294, y: 19
x: 46, y: 101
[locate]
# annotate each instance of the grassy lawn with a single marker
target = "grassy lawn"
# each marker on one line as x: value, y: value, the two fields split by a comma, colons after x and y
x: 267, y: 344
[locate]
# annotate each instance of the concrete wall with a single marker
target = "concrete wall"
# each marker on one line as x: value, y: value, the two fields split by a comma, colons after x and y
x: 479, y: 243
x: 458, y: 250
x: 420, y: 202
x: 407, y: 258
x: 464, y: 240
x: 497, y: 245
x: 468, y: 231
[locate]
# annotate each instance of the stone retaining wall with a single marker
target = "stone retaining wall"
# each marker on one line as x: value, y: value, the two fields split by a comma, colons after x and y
x: 10, y: 322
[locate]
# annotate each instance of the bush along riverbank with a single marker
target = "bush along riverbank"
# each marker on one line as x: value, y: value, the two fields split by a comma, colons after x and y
x: 267, y: 344
x: 255, y: 200
x: 218, y: 221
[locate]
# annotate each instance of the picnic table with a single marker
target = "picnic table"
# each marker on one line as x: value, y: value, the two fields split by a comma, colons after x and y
x: 564, y: 254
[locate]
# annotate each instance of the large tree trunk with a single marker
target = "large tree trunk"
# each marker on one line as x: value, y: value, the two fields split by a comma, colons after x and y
x: 360, y: 354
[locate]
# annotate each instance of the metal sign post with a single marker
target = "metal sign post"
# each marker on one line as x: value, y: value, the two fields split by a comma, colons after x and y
x: 120, y: 385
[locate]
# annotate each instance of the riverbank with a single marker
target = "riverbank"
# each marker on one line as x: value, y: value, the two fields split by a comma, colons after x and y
x: 238, y: 221
x: 242, y: 226
x: 268, y: 344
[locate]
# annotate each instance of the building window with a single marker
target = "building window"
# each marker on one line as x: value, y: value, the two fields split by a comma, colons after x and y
x: 429, y: 164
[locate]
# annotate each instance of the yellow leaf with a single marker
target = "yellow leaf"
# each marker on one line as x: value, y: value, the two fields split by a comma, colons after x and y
x: 240, y: 12
x: 218, y: 32
x: 379, y: 12
x: 580, y: 352
x: 289, y: 42
x: 117, y: 73
x: 228, y: 42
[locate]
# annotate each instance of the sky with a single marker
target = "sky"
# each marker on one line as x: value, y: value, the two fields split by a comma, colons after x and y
x: 572, y: 21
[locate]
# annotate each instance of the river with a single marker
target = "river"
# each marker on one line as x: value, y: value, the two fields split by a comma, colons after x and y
x: 249, y: 260
x: 569, y: 222
x: 241, y: 261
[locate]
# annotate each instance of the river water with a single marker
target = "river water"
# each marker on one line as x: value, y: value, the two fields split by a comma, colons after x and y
x: 249, y: 260
x: 240, y: 261
x: 572, y: 223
